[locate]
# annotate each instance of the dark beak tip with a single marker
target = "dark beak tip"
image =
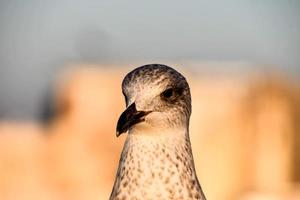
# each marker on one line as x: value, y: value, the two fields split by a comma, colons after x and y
x: 118, y: 133
x: 129, y: 118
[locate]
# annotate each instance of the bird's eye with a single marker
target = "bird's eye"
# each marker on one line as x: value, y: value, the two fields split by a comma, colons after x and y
x: 168, y: 93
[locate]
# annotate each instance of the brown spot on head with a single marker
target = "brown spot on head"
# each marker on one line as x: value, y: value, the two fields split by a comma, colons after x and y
x: 167, y: 180
x: 125, y: 184
x: 193, y: 182
x: 160, y: 175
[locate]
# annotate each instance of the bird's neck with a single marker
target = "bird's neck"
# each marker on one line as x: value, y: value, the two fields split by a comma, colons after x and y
x: 158, y: 165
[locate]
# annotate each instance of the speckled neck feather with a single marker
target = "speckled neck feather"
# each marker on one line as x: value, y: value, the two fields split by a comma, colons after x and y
x: 157, y: 167
x: 157, y: 161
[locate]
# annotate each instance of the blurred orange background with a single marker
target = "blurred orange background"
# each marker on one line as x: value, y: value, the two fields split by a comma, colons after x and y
x: 61, y: 67
x: 244, y: 134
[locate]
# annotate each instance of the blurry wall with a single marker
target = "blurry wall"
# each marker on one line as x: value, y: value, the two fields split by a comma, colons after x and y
x: 244, y: 134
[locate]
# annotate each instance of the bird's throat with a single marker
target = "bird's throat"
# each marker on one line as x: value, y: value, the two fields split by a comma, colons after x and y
x: 159, y: 166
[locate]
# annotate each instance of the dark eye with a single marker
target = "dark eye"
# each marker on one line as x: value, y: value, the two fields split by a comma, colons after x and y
x: 168, y: 93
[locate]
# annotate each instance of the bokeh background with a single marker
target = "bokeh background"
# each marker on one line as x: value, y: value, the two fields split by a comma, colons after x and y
x: 61, y: 68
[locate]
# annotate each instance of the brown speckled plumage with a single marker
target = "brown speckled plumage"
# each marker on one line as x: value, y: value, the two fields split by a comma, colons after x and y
x: 156, y: 161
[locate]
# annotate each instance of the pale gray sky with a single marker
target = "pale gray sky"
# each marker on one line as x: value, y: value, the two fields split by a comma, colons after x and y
x: 38, y: 37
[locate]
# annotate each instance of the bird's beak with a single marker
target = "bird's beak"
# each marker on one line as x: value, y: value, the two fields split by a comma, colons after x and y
x: 129, y: 118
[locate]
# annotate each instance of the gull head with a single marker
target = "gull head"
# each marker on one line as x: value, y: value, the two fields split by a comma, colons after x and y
x: 157, y: 97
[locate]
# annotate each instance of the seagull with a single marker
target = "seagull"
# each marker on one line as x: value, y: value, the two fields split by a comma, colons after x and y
x: 157, y: 160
